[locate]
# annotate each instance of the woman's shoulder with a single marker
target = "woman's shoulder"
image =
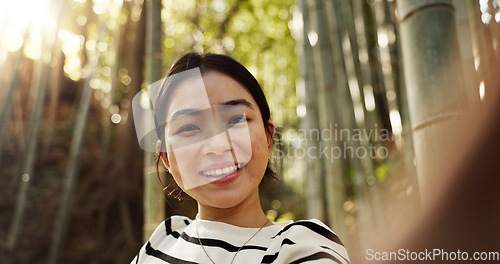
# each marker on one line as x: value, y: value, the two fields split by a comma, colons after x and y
x: 310, y: 227
x: 173, y: 226
x: 310, y: 240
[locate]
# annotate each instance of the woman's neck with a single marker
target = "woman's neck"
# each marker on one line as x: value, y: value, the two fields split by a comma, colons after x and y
x: 248, y: 213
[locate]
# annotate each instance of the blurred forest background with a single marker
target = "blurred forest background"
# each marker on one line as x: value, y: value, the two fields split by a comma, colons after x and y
x: 369, y: 81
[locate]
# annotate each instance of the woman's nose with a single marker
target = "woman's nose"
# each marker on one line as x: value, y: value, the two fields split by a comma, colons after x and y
x: 217, y: 144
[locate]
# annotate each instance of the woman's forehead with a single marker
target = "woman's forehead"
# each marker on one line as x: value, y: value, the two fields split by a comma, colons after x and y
x: 191, y: 93
x: 204, y: 91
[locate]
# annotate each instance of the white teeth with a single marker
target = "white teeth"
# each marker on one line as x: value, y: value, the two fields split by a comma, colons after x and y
x: 219, y: 172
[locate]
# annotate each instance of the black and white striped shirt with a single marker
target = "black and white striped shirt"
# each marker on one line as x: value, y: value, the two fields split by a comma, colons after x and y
x: 307, y: 241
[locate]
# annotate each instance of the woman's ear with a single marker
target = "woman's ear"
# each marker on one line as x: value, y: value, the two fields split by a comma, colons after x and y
x: 164, y: 159
x: 270, y: 135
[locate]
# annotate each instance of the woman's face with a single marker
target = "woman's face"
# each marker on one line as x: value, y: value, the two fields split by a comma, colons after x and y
x: 217, y: 147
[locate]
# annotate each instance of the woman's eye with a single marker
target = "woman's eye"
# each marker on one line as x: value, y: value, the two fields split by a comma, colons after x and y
x: 187, y: 129
x: 237, y: 120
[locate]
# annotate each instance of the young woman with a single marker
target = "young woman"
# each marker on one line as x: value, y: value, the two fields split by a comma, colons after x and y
x: 215, y: 133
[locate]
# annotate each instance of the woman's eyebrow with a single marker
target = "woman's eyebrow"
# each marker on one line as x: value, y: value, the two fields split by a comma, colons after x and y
x: 239, y: 102
x: 188, y: 111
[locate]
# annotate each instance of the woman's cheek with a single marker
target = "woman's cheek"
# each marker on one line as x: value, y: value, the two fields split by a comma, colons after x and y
x: 259, y: 139
x: 183, y: 160
x: 174, y: 169
x: 242, y: 144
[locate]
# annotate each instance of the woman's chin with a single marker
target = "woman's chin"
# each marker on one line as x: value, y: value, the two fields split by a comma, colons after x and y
x: 228, y: 191
x: 223, y: 200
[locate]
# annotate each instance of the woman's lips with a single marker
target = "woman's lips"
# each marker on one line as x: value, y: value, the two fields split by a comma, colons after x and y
x: 222, y: 174
x: 218, y: 171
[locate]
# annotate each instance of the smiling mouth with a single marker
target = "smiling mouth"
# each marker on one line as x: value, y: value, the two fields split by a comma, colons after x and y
x: 222, y: 172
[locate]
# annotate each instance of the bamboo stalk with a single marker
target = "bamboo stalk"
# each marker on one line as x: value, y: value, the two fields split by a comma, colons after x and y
x: 366, y: 83
x: 386, y: 68
x: 466, y: 52
x: 55, y: 81
x: 436, y: 96
x: 366, y: 195
x: 154, y: 207
x: 313, y: 168
x: 408, y: 148
x: 39, y: 91
x: 329, y: 112
x: 113, y: 80
x: 377, y: 88
x: 71, y: 175
x: 129, y: 150
x: 73, y: 166
x: 484, y: 53
x: 353, y: 72
x: 7, y: 98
